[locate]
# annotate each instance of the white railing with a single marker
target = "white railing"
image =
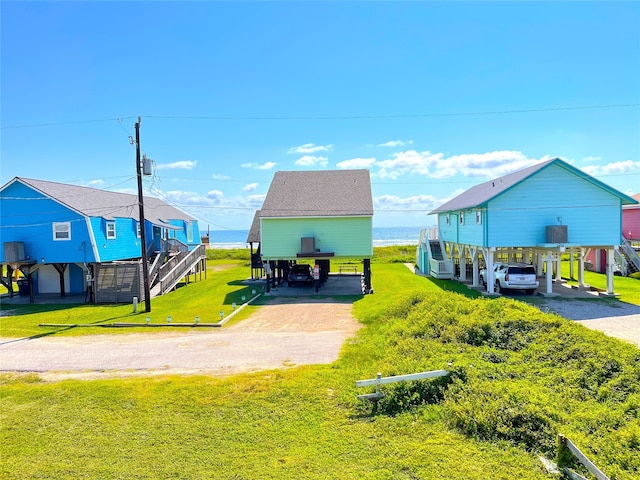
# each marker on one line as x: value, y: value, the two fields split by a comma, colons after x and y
x: 181, y: 268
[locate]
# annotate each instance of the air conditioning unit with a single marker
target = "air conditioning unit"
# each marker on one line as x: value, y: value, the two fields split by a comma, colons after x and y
x: 14, y: 252
x: 557, y: 234
x: 308, y: 244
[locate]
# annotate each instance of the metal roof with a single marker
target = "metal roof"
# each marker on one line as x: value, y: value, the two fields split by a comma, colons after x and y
x: 92, y: 202
x: 480, y: 194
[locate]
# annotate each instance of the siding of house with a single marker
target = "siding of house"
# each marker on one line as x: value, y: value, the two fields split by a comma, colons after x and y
x: 518, y: 217
x: 125, y: 245
x: 468, y: 233
x: 631, y: 223
x: 28, y: 217
x: 188, y: 233
x: 345, y: 236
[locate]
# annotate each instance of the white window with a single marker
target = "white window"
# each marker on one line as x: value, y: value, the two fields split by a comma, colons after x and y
x: 138, y: 229
x: 447, y: 220
x: 111, y: 230
x: 189, y: 232
x: 461, y: 218
x: 478, y: 217
x: 61, y: 231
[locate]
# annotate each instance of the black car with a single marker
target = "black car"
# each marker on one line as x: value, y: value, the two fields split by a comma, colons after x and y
x: 300, y: 273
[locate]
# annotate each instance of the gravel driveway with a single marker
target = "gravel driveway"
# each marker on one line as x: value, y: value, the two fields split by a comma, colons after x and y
x: 283, y: 333
x: 615, y: 318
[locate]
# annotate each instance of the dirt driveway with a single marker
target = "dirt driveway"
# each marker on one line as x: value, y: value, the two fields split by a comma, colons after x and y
x: 284, y: 333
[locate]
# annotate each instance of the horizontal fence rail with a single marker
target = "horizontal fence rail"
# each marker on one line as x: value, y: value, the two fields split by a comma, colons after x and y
x: 380, y: 380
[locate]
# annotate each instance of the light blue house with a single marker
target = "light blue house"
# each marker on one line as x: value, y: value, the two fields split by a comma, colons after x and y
x: 533, y: 216
x: 70, y: 239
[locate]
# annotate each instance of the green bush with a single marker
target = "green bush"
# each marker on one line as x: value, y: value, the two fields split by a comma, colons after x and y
x: 506, y: 411
x: 406, y: 395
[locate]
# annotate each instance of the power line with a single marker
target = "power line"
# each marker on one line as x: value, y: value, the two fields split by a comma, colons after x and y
x: 73, y: 122
x: 327, y: 117
x: 374, y: 117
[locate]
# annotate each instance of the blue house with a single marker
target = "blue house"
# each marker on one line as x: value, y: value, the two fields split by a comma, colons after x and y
x: 532, y: 216
x: 73, y: 239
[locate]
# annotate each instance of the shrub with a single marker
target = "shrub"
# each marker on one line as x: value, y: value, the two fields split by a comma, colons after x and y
x: 502, y: 412
x: 403, y: 396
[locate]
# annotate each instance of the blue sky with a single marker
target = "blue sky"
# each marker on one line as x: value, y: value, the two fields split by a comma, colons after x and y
x: 229, y: 93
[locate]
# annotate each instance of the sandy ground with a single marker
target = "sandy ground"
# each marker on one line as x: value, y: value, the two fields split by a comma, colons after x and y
x: 279, y: 335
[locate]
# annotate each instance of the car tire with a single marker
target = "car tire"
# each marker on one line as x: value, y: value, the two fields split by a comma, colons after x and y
x: 530, y: 291
x: 499, y: 289
x: 483, y: 281
x: 290, y: 284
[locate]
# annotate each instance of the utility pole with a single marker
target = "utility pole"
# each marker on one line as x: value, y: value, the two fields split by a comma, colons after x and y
x: 143, y: 236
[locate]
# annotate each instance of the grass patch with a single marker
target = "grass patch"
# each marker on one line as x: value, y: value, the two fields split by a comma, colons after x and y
x: 205, y: 299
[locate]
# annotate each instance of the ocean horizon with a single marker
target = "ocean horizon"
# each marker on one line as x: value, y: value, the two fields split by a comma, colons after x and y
x: 382, y: 237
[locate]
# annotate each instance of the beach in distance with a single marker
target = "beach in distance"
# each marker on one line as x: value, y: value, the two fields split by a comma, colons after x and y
x: 382, y: 237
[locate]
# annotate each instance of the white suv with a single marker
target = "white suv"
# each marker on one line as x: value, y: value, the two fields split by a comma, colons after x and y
x: 512, y: 276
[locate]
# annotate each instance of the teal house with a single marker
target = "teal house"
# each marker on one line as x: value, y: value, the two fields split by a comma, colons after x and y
x: 315, y: 215
x: 73, y: 239
x: 532, y: 216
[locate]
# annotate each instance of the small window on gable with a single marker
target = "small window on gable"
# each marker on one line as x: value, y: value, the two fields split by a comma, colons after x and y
x: 111, y: 230
x: 61, y: 231
x: 461, y: 218
x: 447, y: 220
x: 478, y: 217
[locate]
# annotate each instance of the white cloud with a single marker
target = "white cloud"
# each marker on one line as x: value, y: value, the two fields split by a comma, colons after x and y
x: 436, y: 165
x: 182, y: 165
x: 311, y: 160
x: 257, y: 166
x: 250, y: 187
x: 591, y: 159
x: 423, y: 203
x: 215, y: 196
x: 217, y: 176
x: 395, y: 143
x: 355, y: 163
x: 193, y: 199
x: 311, y: 148
x: 95, y: 183
x: 615, y: 168
x: 253, y: 201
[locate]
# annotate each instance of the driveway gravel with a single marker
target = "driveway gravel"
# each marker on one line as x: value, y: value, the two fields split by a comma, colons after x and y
x: 614, y: 318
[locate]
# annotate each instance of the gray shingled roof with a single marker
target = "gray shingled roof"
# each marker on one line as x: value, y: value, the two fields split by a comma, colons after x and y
x: 319, y: 193
x: 254, y: 232
x: 322, y: 193
x: 93, y: 202
x: 480, y: 194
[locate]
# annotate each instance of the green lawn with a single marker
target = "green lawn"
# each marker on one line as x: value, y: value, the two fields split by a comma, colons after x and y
x: 518, y: 378
x: 205, y: 299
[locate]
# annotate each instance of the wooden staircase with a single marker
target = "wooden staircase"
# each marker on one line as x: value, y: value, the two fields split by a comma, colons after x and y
x: 172, y: 264
x: 629, y: 258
